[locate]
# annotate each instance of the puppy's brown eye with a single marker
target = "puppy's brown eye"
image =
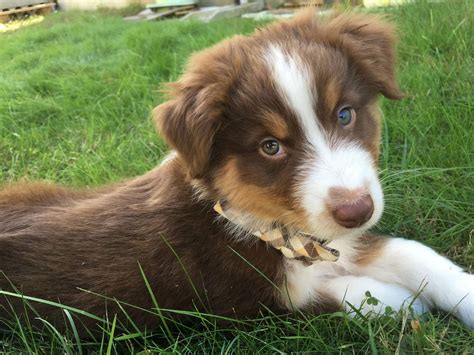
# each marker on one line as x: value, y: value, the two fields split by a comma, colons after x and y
x: 346, y: 116
x: 271, y: 147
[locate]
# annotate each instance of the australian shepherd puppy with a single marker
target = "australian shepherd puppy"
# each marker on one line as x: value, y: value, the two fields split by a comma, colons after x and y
x: 273, y: 134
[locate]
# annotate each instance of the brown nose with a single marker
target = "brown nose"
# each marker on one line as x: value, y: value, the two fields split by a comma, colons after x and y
x: 355, y: 213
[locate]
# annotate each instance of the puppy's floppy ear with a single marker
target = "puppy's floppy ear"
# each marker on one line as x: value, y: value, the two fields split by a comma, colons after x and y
x: 369, y: 41
x: 189, y: 121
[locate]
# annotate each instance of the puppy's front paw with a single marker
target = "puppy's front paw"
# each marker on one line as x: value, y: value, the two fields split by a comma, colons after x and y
x: 464, y: 310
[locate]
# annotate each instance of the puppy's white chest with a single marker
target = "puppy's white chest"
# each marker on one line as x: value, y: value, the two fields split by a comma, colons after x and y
x: 304, y: 284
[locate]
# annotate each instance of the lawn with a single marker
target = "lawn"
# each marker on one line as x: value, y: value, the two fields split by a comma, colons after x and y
x: 76, y: 91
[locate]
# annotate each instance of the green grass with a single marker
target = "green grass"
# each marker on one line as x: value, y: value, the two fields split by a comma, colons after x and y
x: 75, y: 97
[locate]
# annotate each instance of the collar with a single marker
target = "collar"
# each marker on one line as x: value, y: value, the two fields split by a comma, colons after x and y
x: 298, y: 246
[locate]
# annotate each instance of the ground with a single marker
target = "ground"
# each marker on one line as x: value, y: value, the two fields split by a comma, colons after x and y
x: 76, y: 91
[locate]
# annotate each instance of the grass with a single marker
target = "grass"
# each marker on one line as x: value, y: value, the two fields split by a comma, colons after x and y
x: 75, y: 97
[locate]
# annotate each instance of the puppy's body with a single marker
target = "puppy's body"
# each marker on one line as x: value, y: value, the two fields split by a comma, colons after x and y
x: 283, y: 127
x: 56, y: 242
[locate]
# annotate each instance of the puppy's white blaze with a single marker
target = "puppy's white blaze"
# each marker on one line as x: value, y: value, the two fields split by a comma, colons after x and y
x: 291, y: 77
x: 342, y: 164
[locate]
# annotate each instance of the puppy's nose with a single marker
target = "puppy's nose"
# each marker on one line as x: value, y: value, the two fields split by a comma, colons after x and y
x: 355, y: 213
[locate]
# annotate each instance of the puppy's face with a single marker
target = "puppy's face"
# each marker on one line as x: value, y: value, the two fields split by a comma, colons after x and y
x: 284, y: 125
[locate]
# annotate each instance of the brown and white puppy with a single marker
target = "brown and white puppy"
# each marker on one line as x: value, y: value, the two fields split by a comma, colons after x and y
x: 284, y: 127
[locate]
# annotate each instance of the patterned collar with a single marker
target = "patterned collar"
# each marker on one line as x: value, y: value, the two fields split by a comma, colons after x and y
x: 299, y: 246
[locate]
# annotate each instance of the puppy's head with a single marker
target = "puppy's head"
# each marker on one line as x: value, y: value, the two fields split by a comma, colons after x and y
x: 284, y: 125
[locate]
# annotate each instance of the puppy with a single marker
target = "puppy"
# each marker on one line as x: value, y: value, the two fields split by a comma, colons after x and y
x: 266, y: 199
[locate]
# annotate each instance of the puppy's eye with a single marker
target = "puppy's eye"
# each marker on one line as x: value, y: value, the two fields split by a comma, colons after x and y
x: 271, y: 147
x: 346, y: 116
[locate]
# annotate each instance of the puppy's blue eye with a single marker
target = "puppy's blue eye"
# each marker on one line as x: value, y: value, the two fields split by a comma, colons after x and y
x: 346, y: 115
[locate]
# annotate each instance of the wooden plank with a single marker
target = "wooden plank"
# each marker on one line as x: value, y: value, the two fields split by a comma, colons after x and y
x: 183, y: 12
x: 170, y: 12
x: 45, y: 10
x: 27, y: 9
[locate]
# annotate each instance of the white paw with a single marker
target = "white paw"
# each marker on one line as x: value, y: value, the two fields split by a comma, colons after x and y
x: 372, y: 297
x: 464, y: 309
x: 417, y: 306
x: 399, y: 299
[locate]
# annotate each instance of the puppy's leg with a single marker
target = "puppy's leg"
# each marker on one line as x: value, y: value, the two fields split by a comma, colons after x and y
x: 351, y: 292
x: 413, y: 266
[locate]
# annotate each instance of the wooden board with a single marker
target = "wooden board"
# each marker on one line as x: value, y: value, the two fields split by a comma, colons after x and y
x: 177, y: 11
x: 47, y: 7
x: 40, y: 9
x: 164, y: 13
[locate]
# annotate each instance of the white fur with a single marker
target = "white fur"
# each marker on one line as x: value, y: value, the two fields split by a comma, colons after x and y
x: 292, y: 76
x: 405, y: 273
x: 331, y: 163
x: 335, y: 279
x: 347, y: 166
x: 351, y: 292
x: 416, y: 267
x: 303, y: 282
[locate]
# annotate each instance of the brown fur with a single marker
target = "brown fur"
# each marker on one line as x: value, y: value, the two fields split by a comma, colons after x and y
x: 96, y: 244
x: 370, y: 248
x: 253, y: 199
x: 331, y: 94
x: 276, y: 125
x: 27, y: 193
x: 54, y: 241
